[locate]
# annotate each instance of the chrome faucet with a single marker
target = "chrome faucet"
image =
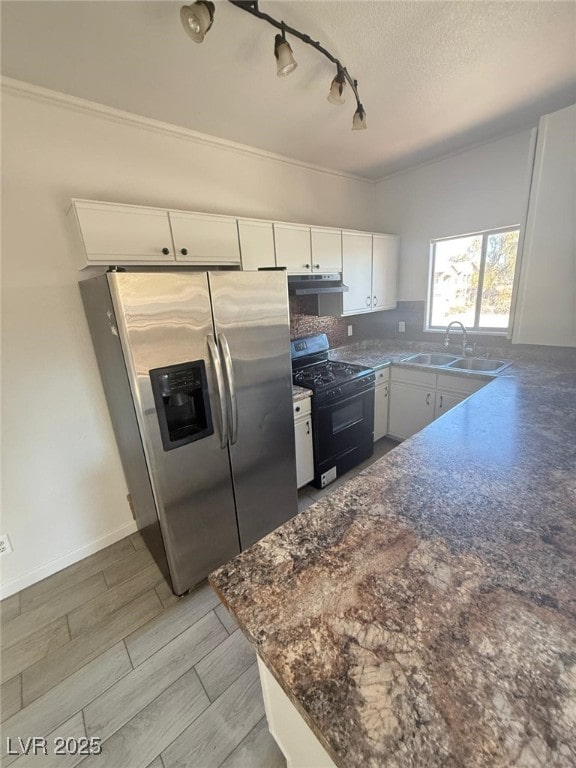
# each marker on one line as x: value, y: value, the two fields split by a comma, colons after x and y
x: 464, y: 336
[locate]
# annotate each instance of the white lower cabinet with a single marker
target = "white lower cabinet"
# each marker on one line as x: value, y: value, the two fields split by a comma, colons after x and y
x: 419, y: 397
x: 412, y: 396
x: 412, y: 409
x: 296, y: 740
x: 381, y: 399
x: 451, y: 390
x: 446, y: 400
x: 303, y: 438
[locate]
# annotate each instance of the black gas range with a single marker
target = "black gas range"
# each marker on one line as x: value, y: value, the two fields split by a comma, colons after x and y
x: 342, y: 407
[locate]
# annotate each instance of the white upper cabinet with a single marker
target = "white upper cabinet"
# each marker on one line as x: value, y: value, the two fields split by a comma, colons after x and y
x: 114, y: 233
x: 357, y: 272
x: 132, y: 234
x: 293, y: 248
x: 201, y: 238
x: 385, y: 250
x: 546, y: 301
x: 326, y: 250
x: 256, y: 244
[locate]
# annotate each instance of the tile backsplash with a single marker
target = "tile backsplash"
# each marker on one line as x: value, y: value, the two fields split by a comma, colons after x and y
x: 305, y: 322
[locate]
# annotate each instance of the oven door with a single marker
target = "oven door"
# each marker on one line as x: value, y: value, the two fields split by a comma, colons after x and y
x: 342, y: 425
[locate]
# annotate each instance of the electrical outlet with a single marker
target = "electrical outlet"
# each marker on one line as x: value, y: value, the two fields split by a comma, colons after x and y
x: 350, y: 331
x: 402, y: 326
x: 5, y: 546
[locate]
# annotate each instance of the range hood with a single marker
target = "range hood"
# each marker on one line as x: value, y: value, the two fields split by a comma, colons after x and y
x: 304, y: 285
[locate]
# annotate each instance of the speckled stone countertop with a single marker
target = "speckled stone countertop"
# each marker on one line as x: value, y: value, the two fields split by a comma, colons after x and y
x: 373, y: 354
x: 300, y: 393
x: 424, y: 614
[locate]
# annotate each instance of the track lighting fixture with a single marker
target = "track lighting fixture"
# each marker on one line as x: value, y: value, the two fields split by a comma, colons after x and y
x: 197, y: 20
x: 283, y: 53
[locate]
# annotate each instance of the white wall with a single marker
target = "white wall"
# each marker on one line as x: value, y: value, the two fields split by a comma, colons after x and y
x: 64, y: 494
x: 483, y: 188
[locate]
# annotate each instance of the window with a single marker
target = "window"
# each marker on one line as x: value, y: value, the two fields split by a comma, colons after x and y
x: 471, y: 279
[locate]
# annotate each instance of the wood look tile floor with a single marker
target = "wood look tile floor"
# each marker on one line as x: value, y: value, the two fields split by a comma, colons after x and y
x: 103, y: 648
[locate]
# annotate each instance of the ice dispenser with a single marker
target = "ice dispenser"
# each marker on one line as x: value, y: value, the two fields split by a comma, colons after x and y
x: 182, y: 403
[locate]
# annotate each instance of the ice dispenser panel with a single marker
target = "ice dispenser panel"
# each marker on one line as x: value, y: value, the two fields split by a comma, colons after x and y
x: 182, y: 403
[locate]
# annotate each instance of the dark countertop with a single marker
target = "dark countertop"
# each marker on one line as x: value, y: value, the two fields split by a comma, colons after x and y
x: 372, y: 355
x: 424, y: 614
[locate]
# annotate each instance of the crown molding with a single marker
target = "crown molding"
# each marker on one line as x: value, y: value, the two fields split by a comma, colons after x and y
x: 112, y: 114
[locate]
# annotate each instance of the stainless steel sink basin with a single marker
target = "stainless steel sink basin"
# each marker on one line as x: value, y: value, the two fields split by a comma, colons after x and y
x: 432, y: 359
x: 480, y: 364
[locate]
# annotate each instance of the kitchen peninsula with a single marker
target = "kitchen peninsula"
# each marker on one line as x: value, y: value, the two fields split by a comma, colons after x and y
x: 424, y: 614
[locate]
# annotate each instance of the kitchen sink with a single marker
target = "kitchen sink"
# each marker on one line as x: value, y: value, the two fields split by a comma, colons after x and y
x: 432, y: 359
x: 480, y: 364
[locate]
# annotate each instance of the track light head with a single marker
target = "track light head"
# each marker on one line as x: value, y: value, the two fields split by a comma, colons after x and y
x: 337, y: 88
x: 283, y: 52
x: 359, y: 119
x: 197, y: 19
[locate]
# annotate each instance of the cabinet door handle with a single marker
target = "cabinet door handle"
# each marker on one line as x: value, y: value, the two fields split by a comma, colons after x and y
x: 375, y: 301
x: 368, y: 302
x: 428, y: 399
x: 316, y: 266
x: 307, y: 427
x: 297, y: 408
x: 307, y: 266
x: 441, y: 397
x: 184, y: 251
x: 386, y: 390
x: 165, y: 251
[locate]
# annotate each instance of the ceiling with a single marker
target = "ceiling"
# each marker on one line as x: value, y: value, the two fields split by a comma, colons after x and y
x: 434, y: 77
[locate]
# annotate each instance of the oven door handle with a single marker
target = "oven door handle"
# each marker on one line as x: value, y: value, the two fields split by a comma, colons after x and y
x: 232, y: 399
x: 345, y: 399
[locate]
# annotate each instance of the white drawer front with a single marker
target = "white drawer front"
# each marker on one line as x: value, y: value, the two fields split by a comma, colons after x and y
x: 412, y: 376
x: 449, y: 381
x: 302, y: 408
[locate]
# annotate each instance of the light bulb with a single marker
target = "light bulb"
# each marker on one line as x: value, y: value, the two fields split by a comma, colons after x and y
x: 359, y: 119
x: 197, y: 19
x: 283, y: 53
x: 336, y: 90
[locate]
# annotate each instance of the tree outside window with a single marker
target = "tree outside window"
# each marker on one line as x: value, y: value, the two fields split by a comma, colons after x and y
x: 471, y: 280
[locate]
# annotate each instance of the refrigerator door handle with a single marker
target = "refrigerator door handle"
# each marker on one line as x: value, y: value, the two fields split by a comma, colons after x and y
x: 228, y: 368
x: 217, y: 363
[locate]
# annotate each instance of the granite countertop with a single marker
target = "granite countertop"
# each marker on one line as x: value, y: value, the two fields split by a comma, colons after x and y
x: 300, y: 393
x: 423, y: 614
x: 372, y: 355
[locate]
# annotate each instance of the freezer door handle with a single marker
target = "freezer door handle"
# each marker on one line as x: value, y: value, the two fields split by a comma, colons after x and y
x: 217, y: 363
x: 229, y: 370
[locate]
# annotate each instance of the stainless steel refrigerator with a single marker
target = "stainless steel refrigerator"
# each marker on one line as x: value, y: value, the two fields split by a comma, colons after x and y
x: 197, y: 374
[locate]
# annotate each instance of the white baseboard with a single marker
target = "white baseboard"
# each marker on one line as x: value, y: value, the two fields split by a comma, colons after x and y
x: 15, y: 585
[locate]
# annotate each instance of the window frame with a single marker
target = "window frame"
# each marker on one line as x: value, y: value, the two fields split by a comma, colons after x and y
x: 476, y: 328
